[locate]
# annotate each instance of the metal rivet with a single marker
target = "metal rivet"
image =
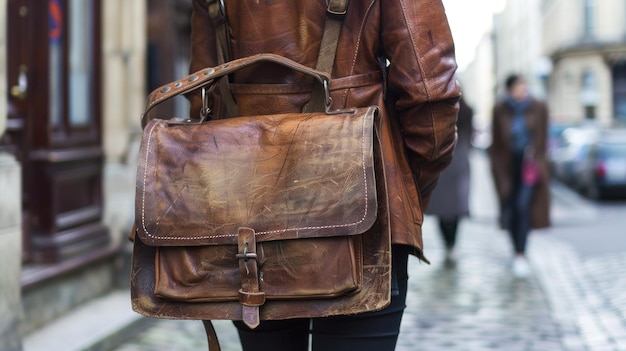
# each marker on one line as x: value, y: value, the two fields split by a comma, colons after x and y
x: 165, y: 89
x: 178, y: 84
x: 209, y: 71
x: 192, y: 79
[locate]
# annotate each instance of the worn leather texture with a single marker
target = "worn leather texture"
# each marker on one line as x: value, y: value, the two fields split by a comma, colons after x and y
x: 417, y: 92
x: 261, y: 217
x: 287, y: 176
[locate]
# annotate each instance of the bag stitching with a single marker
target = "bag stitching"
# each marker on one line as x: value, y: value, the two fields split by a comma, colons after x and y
x: 143, y: 220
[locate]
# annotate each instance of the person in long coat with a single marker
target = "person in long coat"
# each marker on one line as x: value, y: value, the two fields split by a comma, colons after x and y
x: 449, y: 201
x: 519, y: 135
x: 398, y: 55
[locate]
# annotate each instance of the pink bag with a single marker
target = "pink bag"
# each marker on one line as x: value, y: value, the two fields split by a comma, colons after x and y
x: 530, y: 171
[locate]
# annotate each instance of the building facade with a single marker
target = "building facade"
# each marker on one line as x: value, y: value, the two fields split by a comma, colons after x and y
x: 478, y: 82
x: 572, y: 52
x: 586, y: 42
x: 74, y: 76
x: 518, y: 43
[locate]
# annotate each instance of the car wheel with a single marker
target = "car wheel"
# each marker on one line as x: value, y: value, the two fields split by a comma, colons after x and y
x: 593, y: 192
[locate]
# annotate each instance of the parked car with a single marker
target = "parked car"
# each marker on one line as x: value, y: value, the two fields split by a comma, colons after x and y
x: 604, y: 171
x: 555, y: 136
x: 570, y: 153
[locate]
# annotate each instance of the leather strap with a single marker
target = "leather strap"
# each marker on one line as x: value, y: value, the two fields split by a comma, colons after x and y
x: 348, y: 82
x: 208, y: 76
x: 214, y: 344
x: 330, y: 37
x: 336, y: 9
x: 328, y: 48
x: 250, y: 295
x: 217, y: 12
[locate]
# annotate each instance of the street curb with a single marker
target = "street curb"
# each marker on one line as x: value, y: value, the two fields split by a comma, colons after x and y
x: 99, y: 325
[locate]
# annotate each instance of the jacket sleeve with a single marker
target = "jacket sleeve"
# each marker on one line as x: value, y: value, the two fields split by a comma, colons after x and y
x: 417, y: 41
x: 203, y: 47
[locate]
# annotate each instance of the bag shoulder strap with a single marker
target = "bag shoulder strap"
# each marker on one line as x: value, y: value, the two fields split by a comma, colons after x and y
x: 217, y: 12
x: 336, y: 10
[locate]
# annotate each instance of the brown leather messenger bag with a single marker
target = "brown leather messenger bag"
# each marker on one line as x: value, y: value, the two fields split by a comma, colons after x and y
x: 263, y: 217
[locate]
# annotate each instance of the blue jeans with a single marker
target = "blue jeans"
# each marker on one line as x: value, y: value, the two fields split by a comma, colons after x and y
x: 518, y: 207
x: 375, y: 331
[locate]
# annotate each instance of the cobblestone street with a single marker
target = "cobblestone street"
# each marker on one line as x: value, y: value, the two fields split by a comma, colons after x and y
x: 567, y: 303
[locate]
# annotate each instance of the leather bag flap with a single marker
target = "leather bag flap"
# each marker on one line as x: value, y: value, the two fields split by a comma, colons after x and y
x: 286, y: 176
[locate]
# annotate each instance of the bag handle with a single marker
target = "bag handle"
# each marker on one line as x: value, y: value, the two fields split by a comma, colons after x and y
x: 208, y: 76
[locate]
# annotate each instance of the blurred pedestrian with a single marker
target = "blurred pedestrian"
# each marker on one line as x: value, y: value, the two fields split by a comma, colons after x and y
x: 450, y: 199
x: 396, y: 55
x: 520, y: 167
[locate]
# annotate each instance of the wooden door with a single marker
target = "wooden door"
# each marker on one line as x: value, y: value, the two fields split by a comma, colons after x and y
x: 54, y: 125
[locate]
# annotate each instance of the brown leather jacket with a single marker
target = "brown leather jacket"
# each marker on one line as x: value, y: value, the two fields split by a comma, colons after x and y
x: 419, y: 86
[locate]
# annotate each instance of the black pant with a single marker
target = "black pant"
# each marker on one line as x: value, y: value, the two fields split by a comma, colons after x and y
x: 448, y: 228
x: 518, y: 207
x: 375, y: 331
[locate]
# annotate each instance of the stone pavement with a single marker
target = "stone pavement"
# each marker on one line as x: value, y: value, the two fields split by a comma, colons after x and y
x: 566, y: 304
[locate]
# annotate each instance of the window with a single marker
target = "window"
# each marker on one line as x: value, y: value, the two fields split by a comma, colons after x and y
x: 619, y: 91
x: 589, y: 94
x: 589, y: 17
x: 72, y: 74
x: 80, y: 62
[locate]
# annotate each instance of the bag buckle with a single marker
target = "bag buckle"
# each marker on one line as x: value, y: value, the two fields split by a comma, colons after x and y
x: 250, y: 295
x: 206, y: 110
x: 328, y: 101
x: 337, y: 7
x: 246, y: 255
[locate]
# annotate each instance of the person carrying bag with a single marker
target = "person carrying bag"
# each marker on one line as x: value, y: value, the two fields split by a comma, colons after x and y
x: 291, y: 197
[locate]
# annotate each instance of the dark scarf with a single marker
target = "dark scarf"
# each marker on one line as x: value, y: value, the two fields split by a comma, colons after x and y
x: 520, y: 137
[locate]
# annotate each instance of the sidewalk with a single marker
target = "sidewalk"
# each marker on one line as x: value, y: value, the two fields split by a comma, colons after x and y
x: 479, y: 305
x: 567, y: 304
x: 476, y: 306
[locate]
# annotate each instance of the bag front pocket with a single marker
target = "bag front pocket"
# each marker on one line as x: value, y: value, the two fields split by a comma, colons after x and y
x: 288, y: 269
